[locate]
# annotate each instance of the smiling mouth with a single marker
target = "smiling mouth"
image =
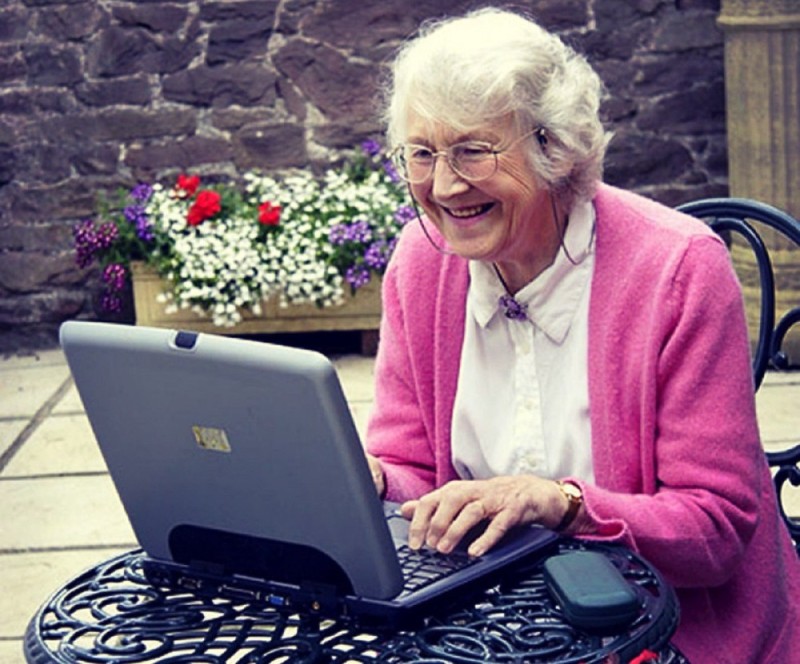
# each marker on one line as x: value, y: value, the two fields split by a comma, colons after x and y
x: 469, y: 212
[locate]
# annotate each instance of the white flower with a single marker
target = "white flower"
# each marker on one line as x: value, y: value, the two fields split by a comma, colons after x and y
x: 229, y: 263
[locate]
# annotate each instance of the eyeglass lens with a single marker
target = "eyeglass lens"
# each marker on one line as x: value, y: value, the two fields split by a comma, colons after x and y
x: 470, y: 161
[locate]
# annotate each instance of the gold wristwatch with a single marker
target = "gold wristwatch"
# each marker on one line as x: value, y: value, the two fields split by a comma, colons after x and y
x: 572, y: 492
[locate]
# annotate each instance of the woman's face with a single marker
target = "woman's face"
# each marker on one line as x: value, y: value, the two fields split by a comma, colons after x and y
x: 506, y: 219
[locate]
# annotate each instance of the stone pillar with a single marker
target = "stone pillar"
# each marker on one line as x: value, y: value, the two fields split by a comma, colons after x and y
x: 762, y: 81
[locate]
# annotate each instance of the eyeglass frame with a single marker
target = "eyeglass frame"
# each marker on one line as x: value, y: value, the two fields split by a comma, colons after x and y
x: 402, y: 166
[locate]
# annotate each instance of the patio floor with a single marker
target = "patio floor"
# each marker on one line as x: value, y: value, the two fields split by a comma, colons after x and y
x: 59, y: 513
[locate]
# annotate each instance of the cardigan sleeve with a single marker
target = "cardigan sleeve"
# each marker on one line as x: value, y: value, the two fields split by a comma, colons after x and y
x: 694, y: 503
x: 398, y: 432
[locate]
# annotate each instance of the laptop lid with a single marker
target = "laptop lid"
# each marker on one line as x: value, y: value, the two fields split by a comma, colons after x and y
x: 235, y: 455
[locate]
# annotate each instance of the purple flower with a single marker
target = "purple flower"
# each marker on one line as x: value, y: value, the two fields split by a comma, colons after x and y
x: 89, y: 240
x: 114, y: 276
x: 337, y: 234
x: 357, y: 276
x: 371, y: 148
x: 106, y: 234
x: 141, y: 192
x: 377, y: 255
x: 137, y: 214
x: 391, y: 171
x: 404, y: 214
x: 111, y: 302
x: 133, y: 212
x: 358, y: 231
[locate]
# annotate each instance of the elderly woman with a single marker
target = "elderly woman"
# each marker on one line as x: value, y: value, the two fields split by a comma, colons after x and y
x: 557, y: 351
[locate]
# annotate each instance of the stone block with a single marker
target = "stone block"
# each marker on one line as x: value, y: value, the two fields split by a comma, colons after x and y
x: 8, y: 165
x: 237, y: 40
x: 44, y: 162
x: 235, y: 118
x: 35, y: 237
x: 701, y: 108
x: 70, y: 22
x: 162, y: 17
x: 226, y: 85
x: 686, y: 31
x: 29, y: 272
x: 344, y: 136
x: 96, y: 159
x: 133, y: 90
x: 14, y: 23
x: 184, y: 153
x: 291, y: 13
x: 125, y: 124
x: 12, y: 64
x: 227, y: 10
x: 640, y: 159
x: 178, y: 52
x: 119, y: 51
x: 48, y: 3
x: 49, y: 64
x: 673, y: 73
x: 340, y: 88
x: 270, y: 146
x: 38, y: 316
x: 30, y: 101
x: 71, y: 199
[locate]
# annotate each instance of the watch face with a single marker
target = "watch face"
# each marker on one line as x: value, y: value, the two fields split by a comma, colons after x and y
x: 572, y: 491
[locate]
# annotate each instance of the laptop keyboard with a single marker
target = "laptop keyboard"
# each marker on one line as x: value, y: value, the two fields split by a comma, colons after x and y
x: 422, y: 567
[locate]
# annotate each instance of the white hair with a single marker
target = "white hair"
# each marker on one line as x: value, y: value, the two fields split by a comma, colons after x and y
x: 473, y: 71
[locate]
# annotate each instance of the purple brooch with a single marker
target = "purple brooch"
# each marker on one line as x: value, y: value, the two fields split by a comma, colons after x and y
x: 513, y: 309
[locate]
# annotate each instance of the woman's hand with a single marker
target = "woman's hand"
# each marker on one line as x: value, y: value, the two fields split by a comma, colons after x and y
x: 441, y: 518
x: 376, y: 471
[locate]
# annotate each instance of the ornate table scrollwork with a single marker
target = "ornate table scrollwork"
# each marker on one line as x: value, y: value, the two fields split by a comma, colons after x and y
x: 112, y: 614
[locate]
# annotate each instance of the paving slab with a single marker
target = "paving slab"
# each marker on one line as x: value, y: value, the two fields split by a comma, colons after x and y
x: 70, y: 403
x: 9, y: 430
x: 61, y: 512
x: 29, y: 579
x: 62, y: 444
x: 24, y: 389
x: 11, y: 651
x: 356, y: 376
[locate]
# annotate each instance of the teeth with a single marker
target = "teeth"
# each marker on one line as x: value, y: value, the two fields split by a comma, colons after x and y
x: 468, y: 212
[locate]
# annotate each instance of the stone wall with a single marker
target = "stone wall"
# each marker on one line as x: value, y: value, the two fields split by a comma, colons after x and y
x: 100, y: 93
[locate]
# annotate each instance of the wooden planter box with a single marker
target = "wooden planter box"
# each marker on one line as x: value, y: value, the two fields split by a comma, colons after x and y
x: 361, y: 312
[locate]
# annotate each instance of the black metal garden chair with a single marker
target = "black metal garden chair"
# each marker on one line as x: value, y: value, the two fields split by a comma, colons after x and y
x: 746, y: 218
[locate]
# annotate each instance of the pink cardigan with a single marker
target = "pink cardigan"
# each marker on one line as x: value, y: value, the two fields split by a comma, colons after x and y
x: 680, y: 473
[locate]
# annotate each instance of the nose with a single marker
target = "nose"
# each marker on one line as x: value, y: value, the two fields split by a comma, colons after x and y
x: 446, y: 182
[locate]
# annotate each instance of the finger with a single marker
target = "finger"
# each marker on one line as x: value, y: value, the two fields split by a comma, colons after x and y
x: 470, y: 516
x: 407, y: 508
x: 497, y: 528
x: 418, y: 529
x: 376, y: 470
x: 448, y: 511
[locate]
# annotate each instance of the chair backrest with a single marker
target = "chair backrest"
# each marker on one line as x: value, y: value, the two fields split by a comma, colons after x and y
x: 728, y: 216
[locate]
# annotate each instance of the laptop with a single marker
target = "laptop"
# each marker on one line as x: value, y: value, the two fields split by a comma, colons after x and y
x: 242, y: 473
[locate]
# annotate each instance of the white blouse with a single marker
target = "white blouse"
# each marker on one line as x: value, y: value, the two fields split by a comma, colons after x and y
x: 522, y: 402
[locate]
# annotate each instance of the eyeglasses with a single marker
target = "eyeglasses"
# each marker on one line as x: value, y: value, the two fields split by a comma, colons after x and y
x: 470, y: 160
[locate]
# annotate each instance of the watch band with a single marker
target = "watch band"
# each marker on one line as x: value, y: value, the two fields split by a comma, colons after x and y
x: 572, y: 493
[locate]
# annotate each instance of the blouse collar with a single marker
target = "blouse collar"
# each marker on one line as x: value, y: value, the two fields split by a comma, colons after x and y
x: 552, y: 298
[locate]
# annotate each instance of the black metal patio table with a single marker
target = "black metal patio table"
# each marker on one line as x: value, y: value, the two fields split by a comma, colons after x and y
x: 111, y: 613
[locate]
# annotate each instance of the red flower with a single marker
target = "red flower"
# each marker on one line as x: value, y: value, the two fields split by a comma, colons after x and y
x: 187, y: 184
x: 269, y: 214
x: 205, y: 206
